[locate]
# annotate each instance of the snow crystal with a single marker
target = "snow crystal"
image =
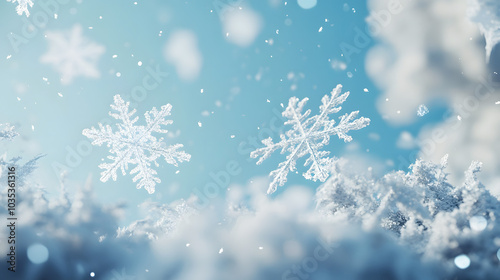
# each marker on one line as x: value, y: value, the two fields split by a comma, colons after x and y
x: 72, y: 55
x: 22, y: 6
x: 307, y: 136
x: 7, y: 132
x: 422, y: 110
x: 135, y: 145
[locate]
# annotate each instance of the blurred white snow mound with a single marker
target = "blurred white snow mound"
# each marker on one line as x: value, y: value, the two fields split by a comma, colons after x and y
x: 486, y: 13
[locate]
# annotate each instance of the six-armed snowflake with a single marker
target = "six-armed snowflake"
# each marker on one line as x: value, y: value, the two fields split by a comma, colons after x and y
x: 133, y: 144
x: 72, y: 55
x: 307, y: 136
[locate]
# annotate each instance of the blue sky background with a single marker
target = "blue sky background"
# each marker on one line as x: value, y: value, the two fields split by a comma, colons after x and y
x: 132, y: 33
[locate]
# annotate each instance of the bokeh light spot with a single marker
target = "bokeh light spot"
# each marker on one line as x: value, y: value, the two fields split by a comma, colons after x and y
x: 38, y: 253
x: 307, y: 4
x: 478, y: 223
x: 462, y: 261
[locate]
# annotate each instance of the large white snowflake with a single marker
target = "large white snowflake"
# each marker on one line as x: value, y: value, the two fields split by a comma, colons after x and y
x: 307, y: 136
x: 22, y: 6
x: 72, y: 55
x: 134, y: 144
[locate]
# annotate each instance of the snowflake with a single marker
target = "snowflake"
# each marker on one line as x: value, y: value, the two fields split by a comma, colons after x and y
x: 72, y: 55
x: 7, y: 132
x: 308, y: 136
x: 22, y: 6
x: 133, y: 144
x: 422, y: 110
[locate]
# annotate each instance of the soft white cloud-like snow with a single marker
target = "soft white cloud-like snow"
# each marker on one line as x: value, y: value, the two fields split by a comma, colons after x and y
x: 427, y: 50
x: 72, y: 55
x: 241, y: 26
x: 182, y: 51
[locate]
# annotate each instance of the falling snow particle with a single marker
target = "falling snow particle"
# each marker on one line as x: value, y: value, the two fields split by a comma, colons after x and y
x: 232, y: 136
x: 199, y: 124
x: 497, y: 103
x: 201, y: 90
x: 422, y: 110
x: 365, y: 90
x: 320, y: 29
x: 92, y: 274
x: 459, y: 117
x: 139, y: 63
x: 118, y: 74
x: 221, y: 250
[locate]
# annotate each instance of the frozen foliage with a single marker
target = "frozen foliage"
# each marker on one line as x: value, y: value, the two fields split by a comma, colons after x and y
x: 308, y: 135
x: 22, y: 171
x: 72, y: 55
x: 22, y: 6
x: 161, y: 220
x: 423, y: 211
x: 7, y: 132
x: 135, y: 144
x: 486, y: 13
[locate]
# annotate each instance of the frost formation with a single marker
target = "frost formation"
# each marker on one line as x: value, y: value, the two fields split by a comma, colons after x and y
x: 307, y: 136
x: 22, y: 6
x: 133, y: 144
x: 423, y: 212
x: 72, y: 55
x: 7, y: 132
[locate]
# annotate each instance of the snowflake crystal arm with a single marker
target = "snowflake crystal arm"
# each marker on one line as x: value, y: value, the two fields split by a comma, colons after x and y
x: 135, y: 145
x: 22, y: 6
x: 307, y: 136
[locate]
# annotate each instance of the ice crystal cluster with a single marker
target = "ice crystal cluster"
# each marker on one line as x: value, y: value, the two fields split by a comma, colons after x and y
x: 423, y: 212
x: 133, y: 144
x: 7, y: 132
x: 308, y: 135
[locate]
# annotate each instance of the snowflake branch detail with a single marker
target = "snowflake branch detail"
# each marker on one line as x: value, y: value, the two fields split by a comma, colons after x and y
x: 307, y: 136
x: 135, y: 145
x: 22, y: 6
